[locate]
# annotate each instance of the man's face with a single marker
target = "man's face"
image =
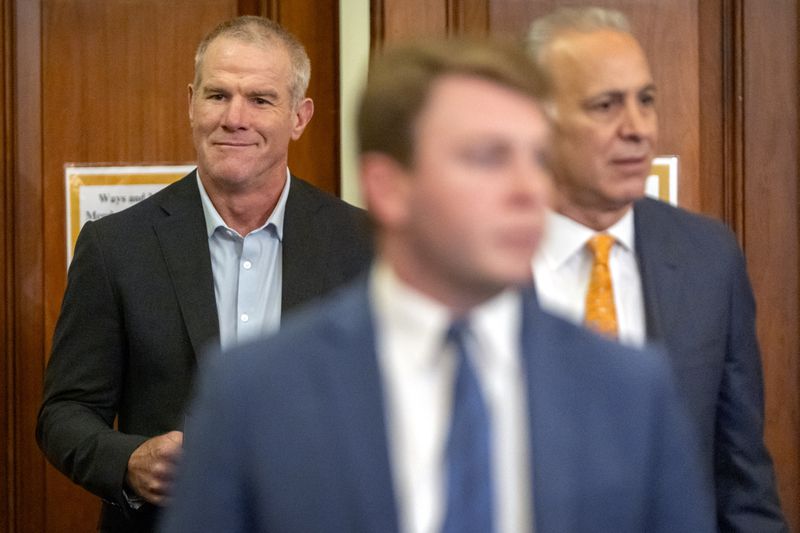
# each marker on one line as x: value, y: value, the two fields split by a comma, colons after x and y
x: 242, y: 114
x: 605, y: 126
x: 466, y: 218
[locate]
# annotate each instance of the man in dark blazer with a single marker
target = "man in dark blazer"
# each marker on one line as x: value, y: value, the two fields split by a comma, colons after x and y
x: 144, y: 290
x: 344, y: 426
x: 679, y: 279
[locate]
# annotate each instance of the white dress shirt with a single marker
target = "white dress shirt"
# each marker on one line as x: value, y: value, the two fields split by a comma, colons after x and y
x: 247, y: 271
x: 563, y: 266
x: 418, y: 370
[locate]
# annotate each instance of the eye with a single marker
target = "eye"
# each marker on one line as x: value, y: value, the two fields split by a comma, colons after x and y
x: 216, y: 97
x: 484, y: 156
x: 647, y: 99
x: 261, y: 101
x: 602, y: 106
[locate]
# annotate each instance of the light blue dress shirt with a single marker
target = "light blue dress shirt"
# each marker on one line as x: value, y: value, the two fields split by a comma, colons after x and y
x: 247, y: 272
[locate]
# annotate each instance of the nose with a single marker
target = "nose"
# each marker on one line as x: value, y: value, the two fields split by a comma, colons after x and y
x: 235, y: 116
x: 638, y: 122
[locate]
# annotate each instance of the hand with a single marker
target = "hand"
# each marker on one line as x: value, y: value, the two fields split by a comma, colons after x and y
x: 151, y: 467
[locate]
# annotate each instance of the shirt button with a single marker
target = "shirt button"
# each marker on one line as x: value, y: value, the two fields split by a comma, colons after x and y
x: 247, y: 265
x: 245, y: 317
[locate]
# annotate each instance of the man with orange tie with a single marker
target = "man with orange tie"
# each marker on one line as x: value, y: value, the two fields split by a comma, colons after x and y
x: 639, y: 270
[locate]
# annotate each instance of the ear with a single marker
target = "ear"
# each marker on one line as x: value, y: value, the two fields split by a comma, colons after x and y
x: 191, y: 111
x: 386, y: 187
x: 302, y: 116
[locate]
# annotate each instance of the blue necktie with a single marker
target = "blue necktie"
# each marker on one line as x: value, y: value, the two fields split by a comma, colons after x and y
x: 468, y: 459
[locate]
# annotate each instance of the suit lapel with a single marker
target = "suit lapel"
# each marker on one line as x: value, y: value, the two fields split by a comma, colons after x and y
x: 184, y: 244
x: 303, y: 270
x: 357, y: 406
x: 659, y: 265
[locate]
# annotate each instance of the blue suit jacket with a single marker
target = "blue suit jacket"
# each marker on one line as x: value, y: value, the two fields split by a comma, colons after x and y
x: 700, y: 306
x: 288, y: 434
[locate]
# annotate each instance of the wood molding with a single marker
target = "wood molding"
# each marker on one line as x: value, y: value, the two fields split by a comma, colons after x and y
x: 7, y: 494
x: 771, y: 223
x: 27, y: 256
x: 467, y: 17
x: 377, y: 30
x: 733, y: 116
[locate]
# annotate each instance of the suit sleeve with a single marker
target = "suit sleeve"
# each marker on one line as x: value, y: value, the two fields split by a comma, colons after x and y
x: 83, y: 379
x: 746, y: 495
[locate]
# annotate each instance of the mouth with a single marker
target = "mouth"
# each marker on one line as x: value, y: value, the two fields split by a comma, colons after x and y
x: 232, y: 144
x: 632, y: 164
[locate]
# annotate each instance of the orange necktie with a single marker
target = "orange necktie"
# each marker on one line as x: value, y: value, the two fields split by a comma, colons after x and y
x: 601, y: 314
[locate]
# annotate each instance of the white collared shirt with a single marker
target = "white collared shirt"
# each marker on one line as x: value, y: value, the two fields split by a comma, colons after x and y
x: 563, y: 265
x: 417, y: 370
x: 247, y: 271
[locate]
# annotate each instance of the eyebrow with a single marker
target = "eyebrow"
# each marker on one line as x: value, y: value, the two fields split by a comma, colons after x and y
x: 271, y: 94
x: 265, y: 93
x: 618, y: 93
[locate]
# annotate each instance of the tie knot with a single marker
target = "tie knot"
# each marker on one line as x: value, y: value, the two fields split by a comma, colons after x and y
x: 600, y: 245
x: 458, y: 332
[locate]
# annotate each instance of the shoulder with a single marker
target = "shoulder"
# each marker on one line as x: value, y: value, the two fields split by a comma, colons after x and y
x: 304, y: 195
x: 692, y: 231
x: 181, y: 194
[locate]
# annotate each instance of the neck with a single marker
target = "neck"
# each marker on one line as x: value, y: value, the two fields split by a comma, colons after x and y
x: 596, y: 219
x: 460, y: 296
x: 245, y: 209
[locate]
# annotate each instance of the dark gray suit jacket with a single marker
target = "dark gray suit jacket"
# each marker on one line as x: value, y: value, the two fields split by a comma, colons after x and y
x: 700, y: 306
x: 138, y: 309
x: 297, y: 441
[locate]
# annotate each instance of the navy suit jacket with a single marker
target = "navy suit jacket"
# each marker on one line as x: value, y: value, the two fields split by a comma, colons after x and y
x: 700, y: 306
x: 138, y: 308
x: 288, y: 434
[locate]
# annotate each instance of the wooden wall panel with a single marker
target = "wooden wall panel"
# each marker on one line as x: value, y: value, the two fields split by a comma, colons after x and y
x: 315, y: 157
x: 770, y: 222
x: 27, y: 260
x: 6, y: 267
x: 396, y: 20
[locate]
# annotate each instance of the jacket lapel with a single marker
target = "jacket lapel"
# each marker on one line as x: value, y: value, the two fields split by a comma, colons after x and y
x: 184, y: 244
x: 358, y: 409
x: 303, y: 258
x: 659, y: 265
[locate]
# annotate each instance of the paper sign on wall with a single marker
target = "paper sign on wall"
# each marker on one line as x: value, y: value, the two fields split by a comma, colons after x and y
x: 662, y: 183
x: 94, y: 192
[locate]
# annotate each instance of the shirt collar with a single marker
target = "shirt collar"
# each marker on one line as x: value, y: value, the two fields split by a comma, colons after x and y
x: 565, y: 237
x: 495, y: 323
x: 214, y: 220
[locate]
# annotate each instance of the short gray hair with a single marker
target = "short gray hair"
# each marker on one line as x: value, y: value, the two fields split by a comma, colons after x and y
x: 546, y: 29
x: 260, y: 30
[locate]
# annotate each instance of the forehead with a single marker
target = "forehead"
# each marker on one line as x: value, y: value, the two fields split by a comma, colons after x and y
x: 459, y: 104
x: 588, y: 63
x: 240, y: 57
